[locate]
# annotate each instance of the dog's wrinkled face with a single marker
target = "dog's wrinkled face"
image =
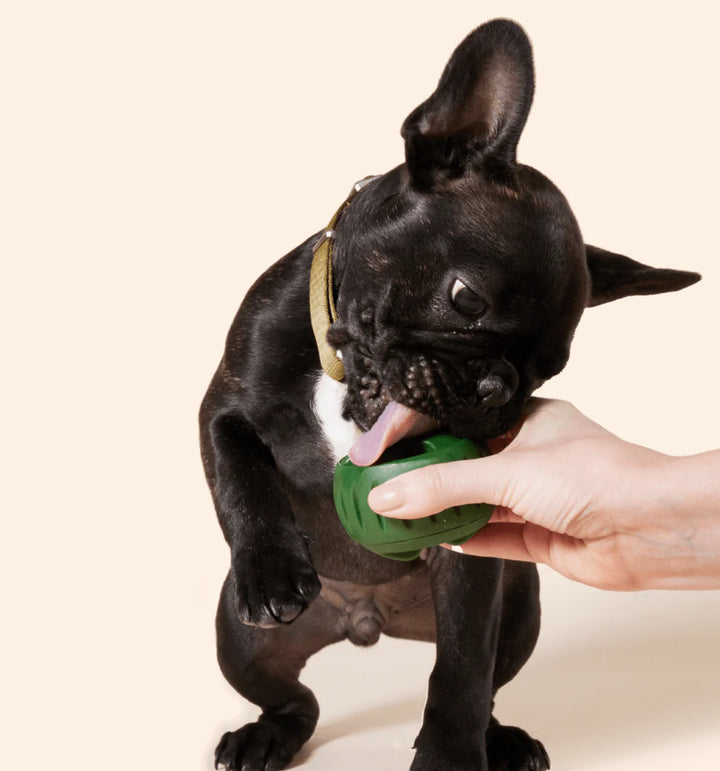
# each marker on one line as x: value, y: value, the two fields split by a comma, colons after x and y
x: 461, y: 275
x: 457, y: 303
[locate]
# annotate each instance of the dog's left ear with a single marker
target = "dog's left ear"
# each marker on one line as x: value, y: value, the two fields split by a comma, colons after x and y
x: 613, y: 276
x: 478, y: 110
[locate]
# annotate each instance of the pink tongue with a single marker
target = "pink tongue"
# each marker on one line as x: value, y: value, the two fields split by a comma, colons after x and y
x: 396, y: 422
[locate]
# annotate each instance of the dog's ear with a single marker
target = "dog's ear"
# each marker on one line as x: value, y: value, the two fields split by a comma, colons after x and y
x: 613, y: 276
x: 478, y: 110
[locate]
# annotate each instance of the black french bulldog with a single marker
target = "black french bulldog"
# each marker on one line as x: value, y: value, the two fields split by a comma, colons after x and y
x: 458, y: 278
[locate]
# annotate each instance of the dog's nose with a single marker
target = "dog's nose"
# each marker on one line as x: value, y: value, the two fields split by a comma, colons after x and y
x: 499, y: 385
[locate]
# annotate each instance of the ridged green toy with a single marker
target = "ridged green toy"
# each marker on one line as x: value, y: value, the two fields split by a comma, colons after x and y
x: 404, y: 539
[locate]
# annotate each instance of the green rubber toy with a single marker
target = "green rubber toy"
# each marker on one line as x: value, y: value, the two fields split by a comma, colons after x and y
x: 404, y: 539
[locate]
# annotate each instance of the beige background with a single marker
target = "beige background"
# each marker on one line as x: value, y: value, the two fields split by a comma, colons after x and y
x: 156, y: 157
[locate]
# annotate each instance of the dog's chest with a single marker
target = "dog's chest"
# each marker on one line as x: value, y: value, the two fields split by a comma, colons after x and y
x: 339, y: 434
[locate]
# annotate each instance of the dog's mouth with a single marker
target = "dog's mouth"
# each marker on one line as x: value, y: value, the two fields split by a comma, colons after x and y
x: 396, y: 422
x: 476, y: 402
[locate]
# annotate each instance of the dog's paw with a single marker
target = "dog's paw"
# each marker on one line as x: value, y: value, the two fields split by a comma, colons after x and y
x: 254, y: 747
x: 512, y: 749
x: 273, y: 586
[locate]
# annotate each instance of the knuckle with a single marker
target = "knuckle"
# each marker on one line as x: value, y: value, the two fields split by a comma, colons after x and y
x: 433, y: 484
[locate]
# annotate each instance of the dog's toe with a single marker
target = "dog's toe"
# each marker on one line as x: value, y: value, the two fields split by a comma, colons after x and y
x: 254, y: 747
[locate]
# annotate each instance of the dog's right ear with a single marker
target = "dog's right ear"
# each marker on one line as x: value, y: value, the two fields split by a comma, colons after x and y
x: 476, y: 114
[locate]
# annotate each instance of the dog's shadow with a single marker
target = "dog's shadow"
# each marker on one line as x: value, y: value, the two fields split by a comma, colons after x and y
x: 617, y: 692
x: 366, y: 719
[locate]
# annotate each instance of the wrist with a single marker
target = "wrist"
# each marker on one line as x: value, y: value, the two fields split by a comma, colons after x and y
x: 678, y: 523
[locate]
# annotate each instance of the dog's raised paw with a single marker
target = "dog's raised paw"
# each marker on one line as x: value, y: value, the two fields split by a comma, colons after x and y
x: 273, y: 587
x: 254, y: 747
x: 512, y: 749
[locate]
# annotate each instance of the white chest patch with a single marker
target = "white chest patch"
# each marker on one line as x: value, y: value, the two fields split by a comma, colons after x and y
x: 340, y: 434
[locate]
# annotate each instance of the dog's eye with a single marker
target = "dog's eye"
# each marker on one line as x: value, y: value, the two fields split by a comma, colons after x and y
x: 465, y: 300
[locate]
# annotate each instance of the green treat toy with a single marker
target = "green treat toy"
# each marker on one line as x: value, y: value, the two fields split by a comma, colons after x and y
x: 404, y: 539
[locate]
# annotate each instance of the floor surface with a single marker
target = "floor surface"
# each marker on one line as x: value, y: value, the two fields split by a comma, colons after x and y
x: 618, y: 682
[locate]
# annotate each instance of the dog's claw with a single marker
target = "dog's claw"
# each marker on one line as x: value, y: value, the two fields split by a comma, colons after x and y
x: 219, y: 750
x: 546, y: 757
x: 255, y: 747
x: 273, y: 587
x: 309, y: 587
x: 285, y: 613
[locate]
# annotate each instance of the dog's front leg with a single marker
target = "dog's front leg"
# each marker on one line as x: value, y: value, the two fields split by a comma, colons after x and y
x: 468, y: 601
x: 273, y: 577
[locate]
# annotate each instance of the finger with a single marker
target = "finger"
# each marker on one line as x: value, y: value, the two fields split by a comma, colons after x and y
x: 502, y: 540
x: 503, y: 514
x: 531, y: 543
x: 431, y: 489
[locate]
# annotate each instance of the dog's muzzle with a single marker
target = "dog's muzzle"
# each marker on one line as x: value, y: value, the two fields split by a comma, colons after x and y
x: 442, y: 388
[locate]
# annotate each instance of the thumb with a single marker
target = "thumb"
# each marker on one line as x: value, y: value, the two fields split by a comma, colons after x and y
x: 431, y: 489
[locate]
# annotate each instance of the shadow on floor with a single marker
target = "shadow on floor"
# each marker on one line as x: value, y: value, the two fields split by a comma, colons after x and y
x: 619, y: 694
x: 381, y: 716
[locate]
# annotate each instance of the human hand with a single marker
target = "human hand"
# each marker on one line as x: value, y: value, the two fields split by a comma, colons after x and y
x: 572, y: 495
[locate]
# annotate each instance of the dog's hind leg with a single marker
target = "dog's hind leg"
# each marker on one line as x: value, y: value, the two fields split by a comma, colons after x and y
x: 263, y: 665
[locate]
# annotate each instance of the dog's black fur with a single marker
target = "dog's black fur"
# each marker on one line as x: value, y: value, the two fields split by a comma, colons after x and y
x: 461, y: 207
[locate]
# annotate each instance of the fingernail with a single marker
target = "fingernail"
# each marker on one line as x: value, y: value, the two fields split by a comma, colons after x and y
x: 454, y: 547
x: 387, y: 497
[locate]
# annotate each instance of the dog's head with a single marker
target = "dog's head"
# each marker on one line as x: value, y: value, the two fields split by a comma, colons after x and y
x: 461, y: 275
